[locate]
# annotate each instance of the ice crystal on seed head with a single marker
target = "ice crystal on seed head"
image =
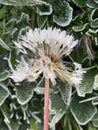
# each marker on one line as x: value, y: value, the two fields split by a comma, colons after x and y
x: 47, y: 46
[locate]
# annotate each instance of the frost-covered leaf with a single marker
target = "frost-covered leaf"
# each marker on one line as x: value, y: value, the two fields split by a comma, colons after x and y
x: 5, y: 108
x: 95, y: 120
x: 57, y: 106
x: 82, y: 112
x: 62, y: 13
x: 13, y: 124
x: 95, y: 123
x: 24, y: 92
x: 94, y: 14
x: 4, y: 75
x: 4, y: 45
x: 94, y: 23
x: 80, y: 27
x: 9, y: 120
x: 66, y: 91
x: 87, y: 83
x: 21, y: 2
x: 95, y: 116
x: 57, y: 103
x: 11, y: 59
x: 96, y: 1
x: 56, y: 118
x: 44, y: 9
x: 95, y: 101
x: 4, y: 93
x: 95, y: 85
x: 92, y: 4
x: 41, y: 20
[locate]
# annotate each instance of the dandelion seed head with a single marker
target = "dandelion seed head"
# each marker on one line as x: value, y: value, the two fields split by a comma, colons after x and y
x: 47, y: 46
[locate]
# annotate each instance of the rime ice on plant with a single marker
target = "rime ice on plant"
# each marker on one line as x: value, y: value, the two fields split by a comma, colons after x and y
x: 48, y: 46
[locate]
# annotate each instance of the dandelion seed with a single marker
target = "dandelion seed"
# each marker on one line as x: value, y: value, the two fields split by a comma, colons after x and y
x: 48, y: 46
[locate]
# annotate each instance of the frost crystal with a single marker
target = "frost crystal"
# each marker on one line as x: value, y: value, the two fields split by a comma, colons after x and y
x: 47, y: 46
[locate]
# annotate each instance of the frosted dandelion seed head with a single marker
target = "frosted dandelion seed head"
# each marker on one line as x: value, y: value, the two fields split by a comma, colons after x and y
x: 47, y: 46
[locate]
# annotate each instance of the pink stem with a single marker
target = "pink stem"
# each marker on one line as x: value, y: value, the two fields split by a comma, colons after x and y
x: 46, y: 104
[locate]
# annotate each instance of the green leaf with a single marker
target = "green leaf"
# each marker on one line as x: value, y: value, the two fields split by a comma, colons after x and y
x: 80, y: 3
x: 40, y: 87
x: 66, y: 92
x: 57, y: 106
x: 92, y: 4
x: 5, y: 108
x: 67, y: 123
x: 56, y: 118
x: 87, y: 83
x: 3, y: 126
x: 95, y: 120
x: 4, y: 75
x: 44, y: 9
x: 96, y: 1
x: 80, y: 27
x: 82, y: 112
x: 57, y: 103
x: 33, y: 124
x: 95, y: 85
x: 24, y: 92
x: 94, y: 14
x: 24, y: 126
x: 4, y: 93
x: 95, y: 123
x: 3, y: 12
x: 13, y: 124
x: 21, y: 2
x: 41, y: 20
x: 94, y: 23
x: 62, y: 13
x: 75, y: 125
x: 4, y: 45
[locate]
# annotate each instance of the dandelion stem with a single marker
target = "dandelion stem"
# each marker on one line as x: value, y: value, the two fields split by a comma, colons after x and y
x: 46, y: 104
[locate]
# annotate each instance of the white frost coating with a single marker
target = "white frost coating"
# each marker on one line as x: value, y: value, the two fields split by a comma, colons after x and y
x: 85, y: 122
x: 23, y: 102
x: 4, y: 45
x: 95, y: 85
x: 64, y: 21
x: 27, y: 3
x: 56, y: 118
x: 6, y: 95
x: 45, y: 13
x: 47, y: 46
x: 66, y: 93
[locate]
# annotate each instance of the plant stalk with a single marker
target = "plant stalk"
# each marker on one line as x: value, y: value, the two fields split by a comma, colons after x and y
x: 46, y: 104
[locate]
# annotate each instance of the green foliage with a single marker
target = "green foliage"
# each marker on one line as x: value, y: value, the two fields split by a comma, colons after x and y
x: 24, y: 92
x: 87, y: 87
x: 21, y: 105
x: 83, y: 112
x: 21, y: 2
